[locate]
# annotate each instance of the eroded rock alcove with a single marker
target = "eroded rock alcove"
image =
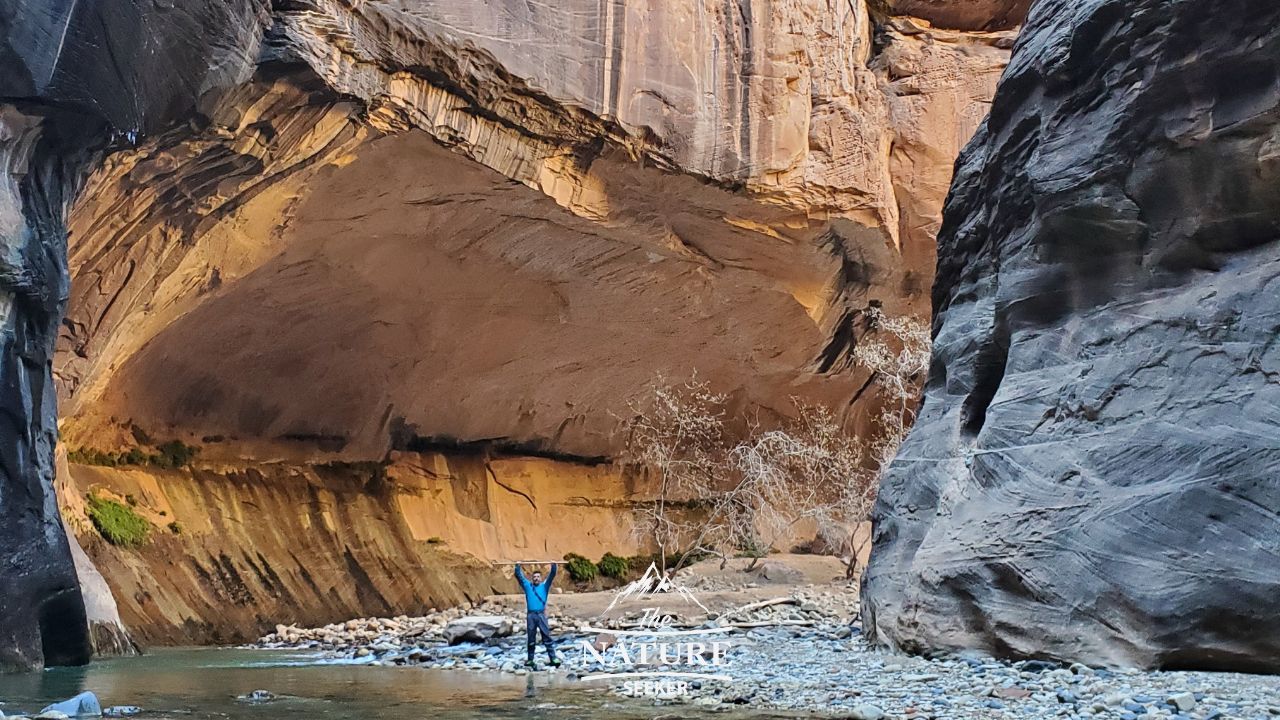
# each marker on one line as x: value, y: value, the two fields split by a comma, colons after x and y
x: 453, y: 242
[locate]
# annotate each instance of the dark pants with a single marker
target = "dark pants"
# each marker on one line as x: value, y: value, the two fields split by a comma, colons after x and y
x: 536, y: 622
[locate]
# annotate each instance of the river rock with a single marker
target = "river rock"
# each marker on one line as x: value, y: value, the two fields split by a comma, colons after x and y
x: 1092, y: 474
x: 477, y: 629
x: 866, y: 712
x: 1185, y: 701
x: 604, y: 641
x: 83, y: 705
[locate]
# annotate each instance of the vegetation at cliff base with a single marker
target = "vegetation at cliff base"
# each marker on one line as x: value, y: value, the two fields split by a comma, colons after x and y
x: 170, y: 455
x: 118, y: 523
x: 580, y: 568
x: 612, y: 566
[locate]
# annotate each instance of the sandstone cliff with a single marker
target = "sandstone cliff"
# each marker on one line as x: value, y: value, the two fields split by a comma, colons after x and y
x: 233, y: 550
x: 1092, y: 475
x: 319, y: 231
x: 74, y: 75
x: 719, y: 190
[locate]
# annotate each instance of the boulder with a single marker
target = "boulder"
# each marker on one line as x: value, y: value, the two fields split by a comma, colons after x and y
x: 1092, y: 475
x: 83, y: 705
x: 778, y: 573
x: 477, y: 628
x: 865, y: 712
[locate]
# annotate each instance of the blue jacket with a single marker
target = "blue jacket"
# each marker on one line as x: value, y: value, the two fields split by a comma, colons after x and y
x: 535, y: 596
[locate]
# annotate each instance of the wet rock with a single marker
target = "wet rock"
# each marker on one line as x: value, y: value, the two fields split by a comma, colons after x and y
x: 257, y: 696
x: 1103, y: 385
x: 83, y: 705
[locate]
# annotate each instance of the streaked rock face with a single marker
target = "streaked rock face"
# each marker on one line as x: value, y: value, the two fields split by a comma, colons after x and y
x: 963, y: 14
x: 72, y: 75
x: 329, y: 229
x: 721, y: 191
x: 1092, y: 476
x: 258, y: 543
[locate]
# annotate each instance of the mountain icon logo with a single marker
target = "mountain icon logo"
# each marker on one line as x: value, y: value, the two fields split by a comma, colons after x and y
x: 654, y: 582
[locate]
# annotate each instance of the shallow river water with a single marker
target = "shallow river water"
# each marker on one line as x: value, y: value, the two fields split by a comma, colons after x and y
x: 203, y: 684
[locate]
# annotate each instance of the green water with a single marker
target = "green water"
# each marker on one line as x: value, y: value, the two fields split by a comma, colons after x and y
x: 203, y: 684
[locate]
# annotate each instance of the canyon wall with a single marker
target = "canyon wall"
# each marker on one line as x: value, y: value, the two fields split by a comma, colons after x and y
x: 719, y: 190
x: 233, y: 550
x: 73, y: 76
x: 326, y: 231
x: 1092, y: 474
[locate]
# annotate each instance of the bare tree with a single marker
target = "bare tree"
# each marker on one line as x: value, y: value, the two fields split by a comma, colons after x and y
x: 896, y: 351
x: 677, y: 435
x: 721, y: 499
x: 809, y: 469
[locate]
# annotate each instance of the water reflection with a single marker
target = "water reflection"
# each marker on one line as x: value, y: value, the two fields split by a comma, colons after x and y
x: 204, y: 685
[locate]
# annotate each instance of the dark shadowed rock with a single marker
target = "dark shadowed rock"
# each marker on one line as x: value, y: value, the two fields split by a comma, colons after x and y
x: 1093, y: 474
x: 73, y: 76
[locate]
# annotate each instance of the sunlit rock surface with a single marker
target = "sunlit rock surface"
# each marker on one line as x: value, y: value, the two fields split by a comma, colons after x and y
x: 344, y: 235
x: 325, y: 231
x: 1093, y: 473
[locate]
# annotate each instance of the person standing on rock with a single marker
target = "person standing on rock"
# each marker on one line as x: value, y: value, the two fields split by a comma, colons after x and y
x: 535, y: 600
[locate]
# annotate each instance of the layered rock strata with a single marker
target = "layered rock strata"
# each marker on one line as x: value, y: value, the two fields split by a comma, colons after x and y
x: 325, y: 231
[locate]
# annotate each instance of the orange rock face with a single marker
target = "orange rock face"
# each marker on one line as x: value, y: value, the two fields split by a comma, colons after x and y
x: 423, y: 223
x: 342, y: 250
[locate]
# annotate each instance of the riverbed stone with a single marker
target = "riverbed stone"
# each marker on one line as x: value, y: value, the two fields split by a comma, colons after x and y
x: 1185, y: 701
x: 478, y: 628
x: 83, y: 705
x: 866, y: 712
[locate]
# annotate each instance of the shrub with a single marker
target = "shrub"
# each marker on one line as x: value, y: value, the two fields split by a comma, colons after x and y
x: 89, y: 456
x: 580, y: 568
x: 612, y: 566
x: 176, y: 454
x: 117, y: 522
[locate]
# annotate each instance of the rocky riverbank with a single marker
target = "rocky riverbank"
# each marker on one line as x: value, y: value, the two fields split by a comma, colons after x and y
x: 801, y: 653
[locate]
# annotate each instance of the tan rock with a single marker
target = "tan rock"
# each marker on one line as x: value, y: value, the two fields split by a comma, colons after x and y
x: 496, y: 223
